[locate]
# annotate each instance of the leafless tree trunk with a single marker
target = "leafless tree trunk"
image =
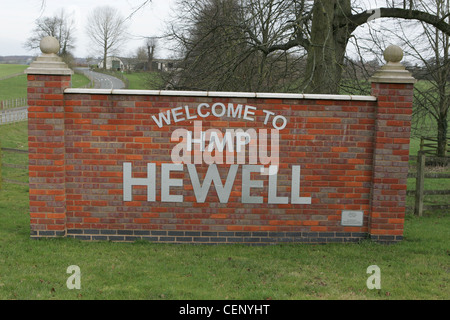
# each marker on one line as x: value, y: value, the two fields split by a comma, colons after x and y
x: 107, y: 29
x: 434, y: 99
x: 150, y: 44
x: 427, y: 51
x: 321, y: 28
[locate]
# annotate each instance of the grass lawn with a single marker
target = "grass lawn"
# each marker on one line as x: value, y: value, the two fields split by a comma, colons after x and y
x: 143, y: 81
x: 416, y: 268
x: 16, y: 87
x: 13, y: 88
x: 79, y: 81
x: 10, y: 69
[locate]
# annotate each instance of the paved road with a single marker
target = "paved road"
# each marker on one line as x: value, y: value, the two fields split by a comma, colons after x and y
x: 102, y: 81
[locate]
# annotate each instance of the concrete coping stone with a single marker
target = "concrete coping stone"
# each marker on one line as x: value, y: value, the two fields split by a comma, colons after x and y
x: 218, y: 94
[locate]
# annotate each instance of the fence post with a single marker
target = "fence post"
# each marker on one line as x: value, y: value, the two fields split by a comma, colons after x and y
x: 418, y: 207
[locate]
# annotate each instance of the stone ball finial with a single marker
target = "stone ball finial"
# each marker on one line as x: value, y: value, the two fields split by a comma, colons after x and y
x: 49, y: 45
x: 393, y: 53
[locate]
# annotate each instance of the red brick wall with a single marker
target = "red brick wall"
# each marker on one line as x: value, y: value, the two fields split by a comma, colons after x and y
x: 47, y: 154
x: 391, y: 155
x: 353, y: 155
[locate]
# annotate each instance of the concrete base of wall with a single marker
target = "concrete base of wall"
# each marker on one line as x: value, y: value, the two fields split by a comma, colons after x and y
x: 209, y: 237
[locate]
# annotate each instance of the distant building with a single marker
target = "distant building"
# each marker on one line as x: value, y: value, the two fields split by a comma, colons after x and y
x: 112, y: 63
x: 164, y: 64
x: 157, y: 65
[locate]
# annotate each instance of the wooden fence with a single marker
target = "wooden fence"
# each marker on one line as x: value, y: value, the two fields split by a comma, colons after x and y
x: 430, y: 145
x: 14, y: 110
x: 9, y: 165
x: 14, y: 115
x: 13, y: 103
x: 420, y: 192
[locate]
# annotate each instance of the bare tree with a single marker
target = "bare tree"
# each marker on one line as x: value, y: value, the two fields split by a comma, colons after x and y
x: 140, y: 59
x: 219, y: 41
x: 327, y: 48
x: 150, y: 45
x: 107, y: 30
x: 319, y: 28
x: 432, y: 95
x: 61, y: 26
x: 427, y: 51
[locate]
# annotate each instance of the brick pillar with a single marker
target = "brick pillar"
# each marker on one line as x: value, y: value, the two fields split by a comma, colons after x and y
x: 48, y: 76
x: 393, y: 85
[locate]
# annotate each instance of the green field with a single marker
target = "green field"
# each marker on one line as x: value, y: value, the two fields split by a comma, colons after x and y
x: 418, y: 268
x: 144, y: 81
x: 13, y: 88
x: 11, y: 69
x: 16, y: 87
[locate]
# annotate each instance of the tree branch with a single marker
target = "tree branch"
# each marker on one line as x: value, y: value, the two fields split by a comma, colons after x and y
x: 299, y: 41
x: 143, y: 4
x: 362, y: 18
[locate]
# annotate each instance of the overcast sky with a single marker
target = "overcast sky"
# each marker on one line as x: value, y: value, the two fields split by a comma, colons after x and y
x: 17, y: 20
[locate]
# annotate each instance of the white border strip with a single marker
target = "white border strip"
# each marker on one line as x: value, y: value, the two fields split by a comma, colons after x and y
x: 219, y: 94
